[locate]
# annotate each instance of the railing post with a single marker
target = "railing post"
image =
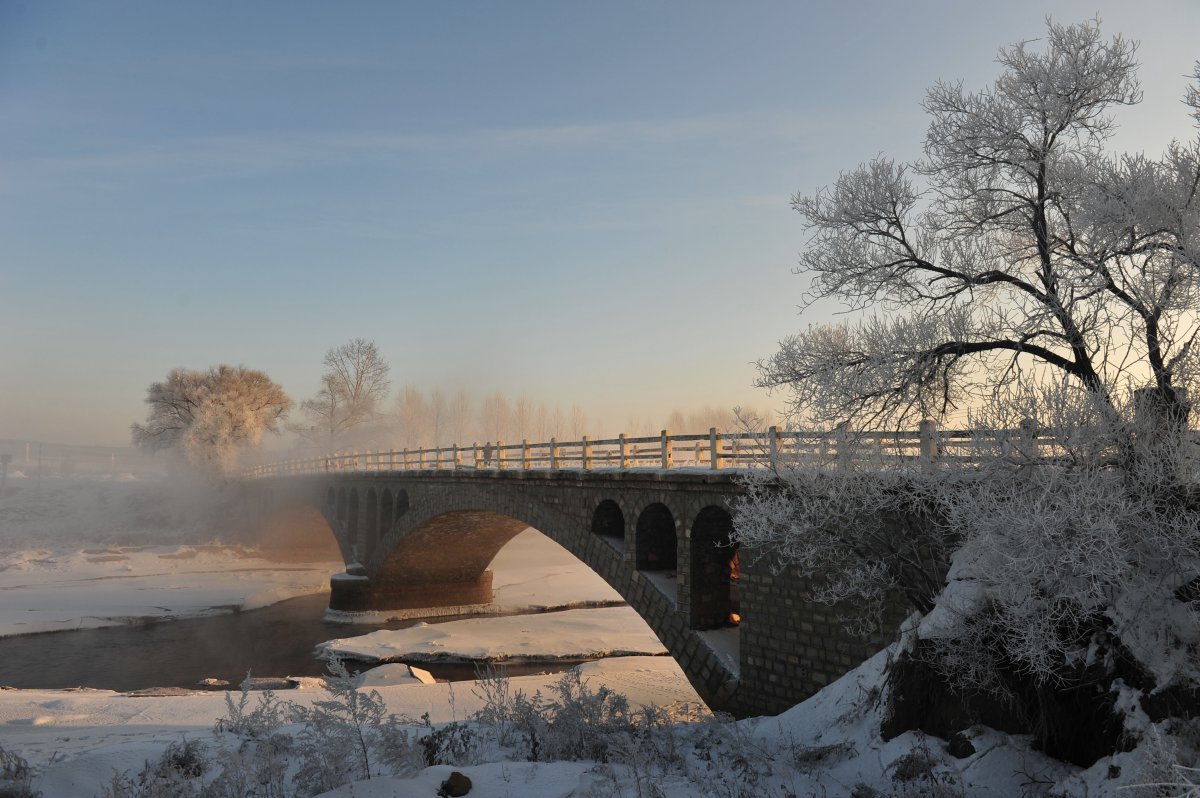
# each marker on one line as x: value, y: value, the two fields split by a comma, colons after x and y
x: 553, y: 453
x: 585, y: 454
x: 624, y: 451
x: 668, y: 454
x: 1027, y: 448
x: 845, y: 450
x: 499, y: 455
x: 475, y: 454
x: 457, y: 457
x: 714, y: 447
x: 524, y: 454
x: 929, y: 451
x: 773, y: 447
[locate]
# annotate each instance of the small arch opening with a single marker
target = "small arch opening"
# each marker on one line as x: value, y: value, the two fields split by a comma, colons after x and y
x: 351, y: 520
x: 715, y: 571
x: 655, y: 546
x: 401, y: 504
x: 656, y: 539
x: 387, y: 515
x: 340, y: 514
x: 370, y: 523
x: 608, y: 522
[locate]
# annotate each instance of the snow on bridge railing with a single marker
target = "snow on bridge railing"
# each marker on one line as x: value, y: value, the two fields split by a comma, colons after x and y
x: 713, y: 450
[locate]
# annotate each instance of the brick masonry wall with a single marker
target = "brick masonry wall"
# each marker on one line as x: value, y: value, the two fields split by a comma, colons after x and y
x: 792, y: 646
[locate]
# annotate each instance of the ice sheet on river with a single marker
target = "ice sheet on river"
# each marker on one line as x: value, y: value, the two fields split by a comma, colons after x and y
x: 572, y: 634
x: 53, y: 589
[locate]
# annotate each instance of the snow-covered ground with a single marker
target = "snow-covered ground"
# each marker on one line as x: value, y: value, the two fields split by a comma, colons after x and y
x: 827, y: 746
x: 78, y: 739
x: 79, y: 553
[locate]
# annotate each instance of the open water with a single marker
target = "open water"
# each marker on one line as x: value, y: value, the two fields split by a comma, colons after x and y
x: 270, y: 642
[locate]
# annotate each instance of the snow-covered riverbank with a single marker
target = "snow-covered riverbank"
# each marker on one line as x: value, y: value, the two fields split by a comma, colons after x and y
x: 78, y: 739
x: 65, y: 563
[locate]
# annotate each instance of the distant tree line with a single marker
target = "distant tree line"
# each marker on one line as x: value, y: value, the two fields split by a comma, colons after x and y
x: 208, y: 419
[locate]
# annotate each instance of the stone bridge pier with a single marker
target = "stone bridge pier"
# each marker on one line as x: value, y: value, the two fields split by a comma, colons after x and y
x: 419, y: 543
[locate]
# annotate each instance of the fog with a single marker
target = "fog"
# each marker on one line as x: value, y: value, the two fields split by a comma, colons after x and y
x: 416, y: 418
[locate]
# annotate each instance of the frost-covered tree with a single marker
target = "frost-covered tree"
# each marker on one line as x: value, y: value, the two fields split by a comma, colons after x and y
x: 413, y: 422
x: 1021, y: 272
x: 209, y: 417
x: 1017, y: 249
x: 353, y: 385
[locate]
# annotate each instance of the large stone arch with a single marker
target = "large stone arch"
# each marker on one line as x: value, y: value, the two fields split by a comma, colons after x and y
x: 432, y: 550
x: 785, y: 649
x: 443, y: 561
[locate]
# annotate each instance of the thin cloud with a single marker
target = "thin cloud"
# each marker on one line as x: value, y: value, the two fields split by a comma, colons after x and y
x: 235, y: 156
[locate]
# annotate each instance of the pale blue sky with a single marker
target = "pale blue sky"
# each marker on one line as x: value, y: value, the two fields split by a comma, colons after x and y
x: 582, y: 203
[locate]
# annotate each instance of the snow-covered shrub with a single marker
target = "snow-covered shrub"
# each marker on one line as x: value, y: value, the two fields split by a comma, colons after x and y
x: 922, y: 774
x: 177, y: 773
x: 573, y: 722
x: 455, y: 743
x: 494, y: 688
x: 263, y: 720
x: 15, y: 776
x: 284, y: 749
x: 579, y: 719
x: 338, y: 736
x: 254, y: 767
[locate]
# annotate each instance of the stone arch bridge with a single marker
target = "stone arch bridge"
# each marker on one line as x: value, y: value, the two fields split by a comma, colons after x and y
x: 421, y: 540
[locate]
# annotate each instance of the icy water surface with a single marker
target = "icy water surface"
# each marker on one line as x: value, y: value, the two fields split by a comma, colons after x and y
x: 273, y: 641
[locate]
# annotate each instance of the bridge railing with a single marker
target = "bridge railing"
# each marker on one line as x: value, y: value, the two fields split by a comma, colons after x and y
x: 712, y: 450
